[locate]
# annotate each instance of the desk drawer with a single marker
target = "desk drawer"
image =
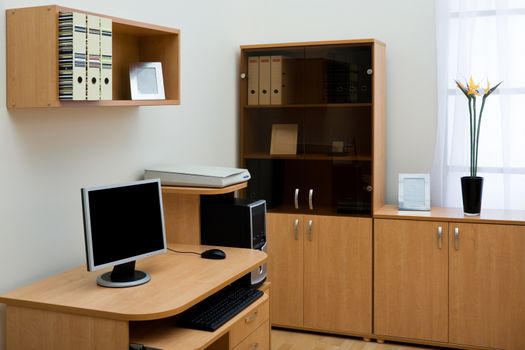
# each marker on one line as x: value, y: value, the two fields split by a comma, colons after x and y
x: 258, y: 340
x: 249, y: 323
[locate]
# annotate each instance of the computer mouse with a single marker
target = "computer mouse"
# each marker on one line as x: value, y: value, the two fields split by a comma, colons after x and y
x: 213, y: 254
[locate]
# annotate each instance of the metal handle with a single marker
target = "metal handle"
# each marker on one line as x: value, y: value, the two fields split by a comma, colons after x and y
x: 243, y: 75
x: 456, y: 238
x: 440, y: 237
x: 311, y: 199
x: 251, y: 317
x: 296, y: 229
x: 296, y: 198
x: 310, y: 224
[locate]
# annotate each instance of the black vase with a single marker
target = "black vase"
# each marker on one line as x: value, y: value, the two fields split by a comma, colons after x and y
x: 472, y: 190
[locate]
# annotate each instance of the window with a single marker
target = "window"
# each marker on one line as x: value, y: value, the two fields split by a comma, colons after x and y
x: 484, y: 39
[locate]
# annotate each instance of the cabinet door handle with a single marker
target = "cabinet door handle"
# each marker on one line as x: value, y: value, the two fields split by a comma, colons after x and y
x: 310, y: 224
x: 311, y: 199
x: 296, y: 229
x: 440, y: 237
x: 296, y: 198
x: 251, y: 317
x: 456, y: 238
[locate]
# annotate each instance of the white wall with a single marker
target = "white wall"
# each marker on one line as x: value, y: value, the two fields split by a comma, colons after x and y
x: 47, y: 155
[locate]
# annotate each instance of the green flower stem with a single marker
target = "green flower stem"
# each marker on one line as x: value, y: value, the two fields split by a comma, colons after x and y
x: 477, y: 134
x: 470, y: 102
x: 473, y: 140
x: 471, y: 91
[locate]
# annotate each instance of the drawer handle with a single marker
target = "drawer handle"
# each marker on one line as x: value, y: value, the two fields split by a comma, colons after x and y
x: 456, y: 238
x: 296, y: 229
x: 440, y: 237
x: 310, y: 224
x: 311, y: 199
x: 252, y: 317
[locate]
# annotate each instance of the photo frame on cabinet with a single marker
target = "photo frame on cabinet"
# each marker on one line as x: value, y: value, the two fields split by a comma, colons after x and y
x: 414, y: 192
x: 146, y: 81
x: 284, y: 139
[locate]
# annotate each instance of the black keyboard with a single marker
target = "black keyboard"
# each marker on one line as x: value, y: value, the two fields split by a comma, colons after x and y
x: 216, y: 310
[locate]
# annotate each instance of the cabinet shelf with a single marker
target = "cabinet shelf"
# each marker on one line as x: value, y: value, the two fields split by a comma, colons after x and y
x: 313, y: 105
x: 32, y: 80
x: 313, y: 156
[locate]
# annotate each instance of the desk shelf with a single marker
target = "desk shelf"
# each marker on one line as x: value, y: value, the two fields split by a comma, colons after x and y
x: 203, y: 190
x: 182, y: 210
x: 165, y: 335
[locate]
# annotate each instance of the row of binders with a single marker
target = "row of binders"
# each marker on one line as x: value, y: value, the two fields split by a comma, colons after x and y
x: 269, y: 80
x: 84, y: 57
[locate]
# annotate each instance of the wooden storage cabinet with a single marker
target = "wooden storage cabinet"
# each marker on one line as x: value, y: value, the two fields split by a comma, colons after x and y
x: 334, y: 92
x: 320, y: 268
x: 411, y: 279
x: 284, y: 233
x: 320, y: 195
x: 487, y: 285
x: 469, y: 293
x: 32, y: 58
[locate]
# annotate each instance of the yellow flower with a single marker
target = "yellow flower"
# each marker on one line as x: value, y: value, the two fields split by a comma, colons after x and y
x: 472, y: 88
x: 487, y: 89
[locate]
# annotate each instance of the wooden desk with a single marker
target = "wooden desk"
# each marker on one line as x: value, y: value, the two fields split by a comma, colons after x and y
x: 69, y: 310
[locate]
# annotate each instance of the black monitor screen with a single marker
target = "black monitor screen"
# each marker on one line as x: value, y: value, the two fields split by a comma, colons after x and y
x: 123, y: 222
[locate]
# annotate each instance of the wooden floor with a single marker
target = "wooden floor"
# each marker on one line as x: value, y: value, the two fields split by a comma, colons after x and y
x: 286, y: 340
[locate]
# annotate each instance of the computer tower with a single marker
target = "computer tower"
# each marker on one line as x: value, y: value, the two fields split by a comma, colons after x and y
x: 266, y: 181
x: 235, y: 222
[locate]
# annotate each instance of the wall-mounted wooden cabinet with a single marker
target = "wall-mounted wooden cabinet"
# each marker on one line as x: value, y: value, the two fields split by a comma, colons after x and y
x: 32, y: 58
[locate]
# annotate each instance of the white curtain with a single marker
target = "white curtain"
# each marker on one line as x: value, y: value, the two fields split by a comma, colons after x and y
x: 484, y: 39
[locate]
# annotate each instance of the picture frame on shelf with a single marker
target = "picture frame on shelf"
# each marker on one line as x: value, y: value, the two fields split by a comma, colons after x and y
x: 284, y: 139
x: 146, y: 81
x: 414, y: 192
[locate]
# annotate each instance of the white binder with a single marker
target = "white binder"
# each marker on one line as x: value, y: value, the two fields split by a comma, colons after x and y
x: 106, y: 58
x: 79, y: 56
x: 253, y: 80
x: 72, y: 56
x: 93, y: 48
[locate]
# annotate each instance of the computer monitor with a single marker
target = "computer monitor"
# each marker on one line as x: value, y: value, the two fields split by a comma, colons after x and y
x: 123, y: 223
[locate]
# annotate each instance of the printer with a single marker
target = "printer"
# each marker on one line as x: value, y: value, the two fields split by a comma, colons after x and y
x: 197, y: 175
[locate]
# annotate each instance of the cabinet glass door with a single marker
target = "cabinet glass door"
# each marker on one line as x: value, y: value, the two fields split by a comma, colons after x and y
x: 309, y: 148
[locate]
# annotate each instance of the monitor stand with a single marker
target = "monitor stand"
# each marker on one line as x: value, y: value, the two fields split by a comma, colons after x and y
x: 123, y: 275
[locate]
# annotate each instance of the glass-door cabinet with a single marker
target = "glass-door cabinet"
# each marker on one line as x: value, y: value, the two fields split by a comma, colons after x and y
x: 312, y: 126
